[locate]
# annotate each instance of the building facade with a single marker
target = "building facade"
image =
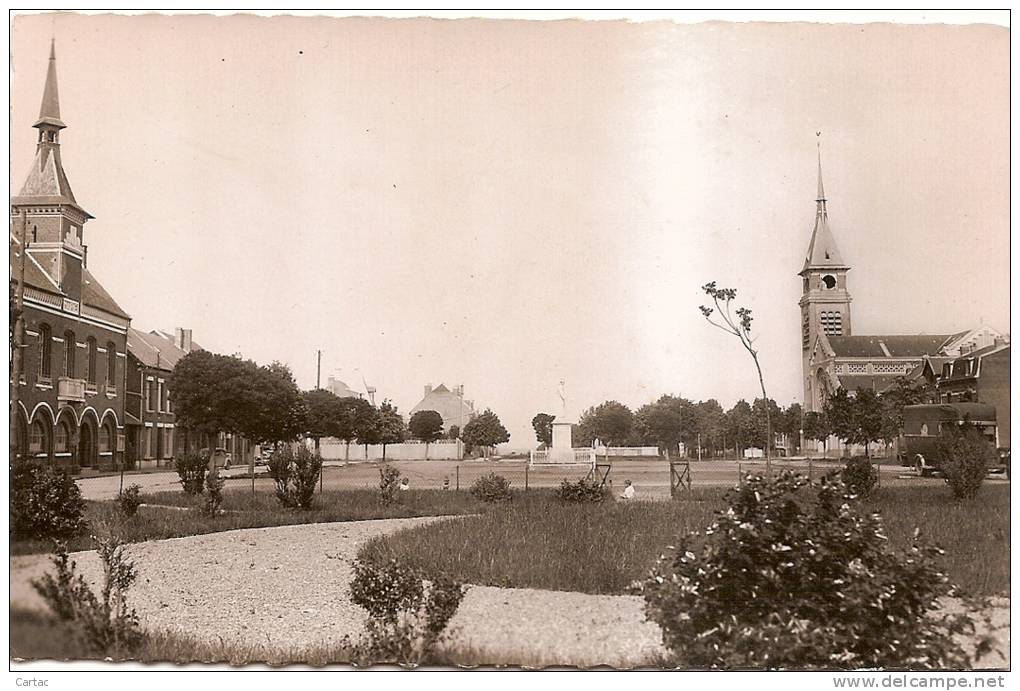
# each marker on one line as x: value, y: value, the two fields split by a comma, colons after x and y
x: 980, y: 376
x: 832, y: 355
x: 450, y: 404
x: 74, y: 336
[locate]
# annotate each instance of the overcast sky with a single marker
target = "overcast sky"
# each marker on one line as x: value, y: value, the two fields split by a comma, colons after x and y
x: 505, y: 203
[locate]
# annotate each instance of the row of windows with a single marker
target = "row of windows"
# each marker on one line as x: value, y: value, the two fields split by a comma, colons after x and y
x: 157, y: 396
x: 70, y: 347
x: 832, y: 323
x: 62, y: 438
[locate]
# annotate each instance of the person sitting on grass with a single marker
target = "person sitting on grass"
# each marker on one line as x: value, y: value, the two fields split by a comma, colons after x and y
x: 628, y: 490
x: 405, y: 485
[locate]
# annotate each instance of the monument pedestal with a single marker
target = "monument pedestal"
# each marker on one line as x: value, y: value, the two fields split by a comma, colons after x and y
x: 562, y: 449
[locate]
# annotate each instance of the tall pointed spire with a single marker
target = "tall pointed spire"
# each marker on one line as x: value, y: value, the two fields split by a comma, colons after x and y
x: 49, y: 111
x: 821, y: 187
x: 822, y: 252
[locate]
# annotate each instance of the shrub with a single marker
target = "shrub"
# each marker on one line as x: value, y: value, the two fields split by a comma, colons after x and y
x: 389, y: 484
x: 492, y: 488
x: 859, y: 476
x: 964, y: 456
x: 794, y: 576
x: 191, y: 469
x: 214, y: 498
x: 584, y: 491
x: 407, y: 617
x: 103, y: 624
x: 296, y: 474
x: 44, y: 502
x: 129, y: 500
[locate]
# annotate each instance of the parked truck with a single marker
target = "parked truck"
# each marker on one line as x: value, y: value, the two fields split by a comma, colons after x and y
x: 925, y: 425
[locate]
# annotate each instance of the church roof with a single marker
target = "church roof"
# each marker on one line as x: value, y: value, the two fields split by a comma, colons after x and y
x: 822, y: 252
x: 887, y: 346
x: 875, y: 382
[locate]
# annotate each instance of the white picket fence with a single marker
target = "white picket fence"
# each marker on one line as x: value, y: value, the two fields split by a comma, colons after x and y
x: 642, y: 451
x: 584, y: 456
x: 444, y: 449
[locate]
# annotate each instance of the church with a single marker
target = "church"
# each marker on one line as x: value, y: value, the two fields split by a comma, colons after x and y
x: 833, y: 356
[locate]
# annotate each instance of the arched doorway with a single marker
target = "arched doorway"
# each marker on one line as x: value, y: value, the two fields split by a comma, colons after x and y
x: 86, y: 446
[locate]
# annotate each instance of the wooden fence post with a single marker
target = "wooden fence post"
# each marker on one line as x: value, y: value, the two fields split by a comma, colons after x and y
x: 458, y: 478
x: 525, y: 477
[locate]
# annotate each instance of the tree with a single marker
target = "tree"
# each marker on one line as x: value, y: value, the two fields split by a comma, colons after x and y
x: 426, y: 426
x: 611, y: 422
x: 791, y: 420
x: 351, y: 424
x: 272, y: 409
x: 739, y: 326
x: 454, y: 432
x: 324, y: 409
x: 711, y: 422
x: 368, y: 427
x: 203, y: 385
x: 392, y: 429
x: 816, y: 426
x: 761, y: 433
x: 660, y: 423
x: 902, y: 393
x: 738, y: 425
x: 543, y: 428
x: 855, y: 419
x: 486, y: 431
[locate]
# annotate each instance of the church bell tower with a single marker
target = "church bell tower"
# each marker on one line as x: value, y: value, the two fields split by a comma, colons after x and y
x: 825, y: 299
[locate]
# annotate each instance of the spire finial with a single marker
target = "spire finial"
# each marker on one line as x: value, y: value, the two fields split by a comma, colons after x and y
x: 821, y: 188
x: 49, y: 111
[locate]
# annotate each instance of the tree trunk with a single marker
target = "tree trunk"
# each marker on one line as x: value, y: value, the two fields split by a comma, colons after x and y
x: 347, y: 452
x: 384, y: 453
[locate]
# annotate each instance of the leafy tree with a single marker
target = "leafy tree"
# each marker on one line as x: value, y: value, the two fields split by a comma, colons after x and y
x: 325, y: 409
x: 790, y: 423
x: 543, y: 427
x: 454, y: 432
x: 368, y: 427
x: 661, y: 423
x: 761, y: 432
x: 205, y: 387
x: 816, y: 426
x: 611, y: 422
x: 711, y: 422
x: 486, y: 431
x: 738, y: 425
x: 739, y: 326
x: 426, y: 426
x: 273, y: 408
x: 351, y: 424
x: 392, y: 429
x: 855, y: 419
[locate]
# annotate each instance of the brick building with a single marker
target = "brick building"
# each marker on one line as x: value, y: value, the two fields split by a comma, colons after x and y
x: 71, y: 390
x: 980, y: 376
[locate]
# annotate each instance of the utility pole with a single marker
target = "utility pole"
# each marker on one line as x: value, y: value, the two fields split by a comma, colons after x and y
x: 19, y: 331
x: 318, y: 369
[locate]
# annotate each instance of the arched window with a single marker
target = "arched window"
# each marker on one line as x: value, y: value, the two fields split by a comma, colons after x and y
x: 61, y: 438
x: 111, y: 363
x: 37, y: 437
x: 90, y: 374
x: 104, y: 438
x: 45, y: 351
x: 70, y: 345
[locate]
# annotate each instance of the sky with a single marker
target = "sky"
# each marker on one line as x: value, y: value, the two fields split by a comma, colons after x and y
x: 502, y: 204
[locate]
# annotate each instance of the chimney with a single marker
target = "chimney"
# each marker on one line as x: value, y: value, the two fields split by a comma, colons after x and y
x: 428, y: 389
x: 182, y: 339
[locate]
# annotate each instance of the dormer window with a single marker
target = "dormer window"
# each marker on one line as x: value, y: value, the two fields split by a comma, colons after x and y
x: 828, y: 281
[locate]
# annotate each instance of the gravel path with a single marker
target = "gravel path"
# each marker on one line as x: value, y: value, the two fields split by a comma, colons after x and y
x: 282, y: 587
x: 286, y: 588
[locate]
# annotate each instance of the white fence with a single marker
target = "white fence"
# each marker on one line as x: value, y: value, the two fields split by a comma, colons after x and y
x: 444, y: 449
x: 583, y: 456
x: 643, y: 451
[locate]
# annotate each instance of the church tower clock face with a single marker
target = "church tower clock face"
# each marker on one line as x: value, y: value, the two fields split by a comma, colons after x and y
x: 828, y: 281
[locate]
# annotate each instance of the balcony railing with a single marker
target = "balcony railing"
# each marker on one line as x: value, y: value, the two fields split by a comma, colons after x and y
x: 110, y: 390
x: 71, y: 390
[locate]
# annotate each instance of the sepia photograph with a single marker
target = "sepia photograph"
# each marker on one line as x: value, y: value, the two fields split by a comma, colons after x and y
x: 510, y: 341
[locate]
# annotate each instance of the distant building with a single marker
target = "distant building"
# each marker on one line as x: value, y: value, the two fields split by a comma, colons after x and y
x: 833, y: 356
x: 71, y: 388
x: 980, y: 376
x: 450, y: 404
x: 341, y: 389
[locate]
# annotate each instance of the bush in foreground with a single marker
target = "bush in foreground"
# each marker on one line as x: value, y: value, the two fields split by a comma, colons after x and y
x: 584, y: 491
x: 296, y: 472
x: 492, y: 488
x: 191, y: 469
x: 214, y: 497
x: 103, y: 624
x: 44, y: 503
x: 129, y: 500
x: 964, y: 458
x: 389, y: 484
x: 407, y: 614
x: 794, y: 576
x: 860, y: 476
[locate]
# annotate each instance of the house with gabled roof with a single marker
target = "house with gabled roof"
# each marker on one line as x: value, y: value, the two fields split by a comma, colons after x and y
x: 449, y: 403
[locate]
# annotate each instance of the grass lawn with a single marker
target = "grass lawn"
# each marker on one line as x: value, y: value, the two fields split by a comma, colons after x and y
x: 243, y: 510
x: 539, y: 543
